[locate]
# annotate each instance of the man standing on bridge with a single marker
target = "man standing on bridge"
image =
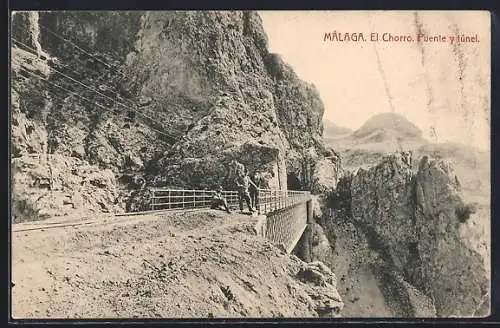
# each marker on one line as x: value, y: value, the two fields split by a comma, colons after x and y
x: 236, y: 167
x: 218, y: 200
x: 254, y: 191
x: 243, y: 182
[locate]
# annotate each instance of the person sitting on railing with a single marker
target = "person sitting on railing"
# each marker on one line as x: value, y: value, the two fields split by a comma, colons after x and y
x: 243, y: 182
x: 218, y: 200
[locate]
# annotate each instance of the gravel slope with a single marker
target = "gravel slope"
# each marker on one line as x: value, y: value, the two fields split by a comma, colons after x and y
x: 195, y: 264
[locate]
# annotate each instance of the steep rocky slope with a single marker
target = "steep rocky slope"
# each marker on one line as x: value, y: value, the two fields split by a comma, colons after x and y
x: 369, y: 287
x: 191, y: 265
x: 472, y: 166
x: 172, y: 97
x: 403, y: 232
x: 244, y: 103
x: 47, y: 183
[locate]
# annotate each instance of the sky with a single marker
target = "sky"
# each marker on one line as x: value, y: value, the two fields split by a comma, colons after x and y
x: 441, y: 87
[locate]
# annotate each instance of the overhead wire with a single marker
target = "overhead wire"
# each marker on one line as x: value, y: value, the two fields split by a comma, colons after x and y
x: 65, y: 89
x: 84, y: 98
x: 79, y: 48
x: 101, y: 61
x: 60, y: 37
x: 96, y: 91
x: 99, y: 93
x: 114, y: 68
x: 59, y: 72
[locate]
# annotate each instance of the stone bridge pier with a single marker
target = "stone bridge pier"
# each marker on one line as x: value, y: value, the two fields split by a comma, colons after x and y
x: 290, y: 228
x: 303, y: 248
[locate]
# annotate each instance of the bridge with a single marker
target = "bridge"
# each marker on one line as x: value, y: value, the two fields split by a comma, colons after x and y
x: 284, y: 215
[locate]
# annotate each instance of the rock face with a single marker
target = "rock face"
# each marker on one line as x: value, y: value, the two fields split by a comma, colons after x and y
x: 326, y: 173
x: 59, y: 185
x: 226, y: 95
x: 173, y: 97
x: 452, y: 269
x: 412, y: 222
x: 47, y: 183
x: 321, y: 283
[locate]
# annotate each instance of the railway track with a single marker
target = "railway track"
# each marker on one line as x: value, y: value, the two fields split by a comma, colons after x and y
x: 116, y: 218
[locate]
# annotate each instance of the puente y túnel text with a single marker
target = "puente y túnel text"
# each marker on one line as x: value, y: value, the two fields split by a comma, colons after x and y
x: 284, y: 214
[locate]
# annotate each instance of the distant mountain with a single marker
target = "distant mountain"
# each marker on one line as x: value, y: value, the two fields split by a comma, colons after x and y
x: 387, y: 126
x: 386, y: 133
x: 331, y: 129
x: 382, y: 133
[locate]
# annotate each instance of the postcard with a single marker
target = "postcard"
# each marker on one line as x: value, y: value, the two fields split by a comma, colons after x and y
x: 250, y: 164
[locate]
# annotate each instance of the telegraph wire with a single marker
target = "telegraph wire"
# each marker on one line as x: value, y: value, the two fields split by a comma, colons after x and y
x: 79, y: 82
x: 85, y: 98
x: 81, y: 49
x: 110, y: 67
x: 87, y: 53
x: 96, y: 91
x: 114, y: 69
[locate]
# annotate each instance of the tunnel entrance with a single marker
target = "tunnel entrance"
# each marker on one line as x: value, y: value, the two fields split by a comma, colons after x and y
x: 292, y: 182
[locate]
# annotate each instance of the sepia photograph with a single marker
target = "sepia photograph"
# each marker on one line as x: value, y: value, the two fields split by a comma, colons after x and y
x: 250, y: 164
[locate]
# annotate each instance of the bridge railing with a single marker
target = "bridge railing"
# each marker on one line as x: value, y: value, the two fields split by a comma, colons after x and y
x: 176, y: 199
x: 268, y: 200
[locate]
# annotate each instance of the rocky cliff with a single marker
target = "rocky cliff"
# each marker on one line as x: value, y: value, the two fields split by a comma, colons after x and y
x: 172, y: 97
x: 401, y: 231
